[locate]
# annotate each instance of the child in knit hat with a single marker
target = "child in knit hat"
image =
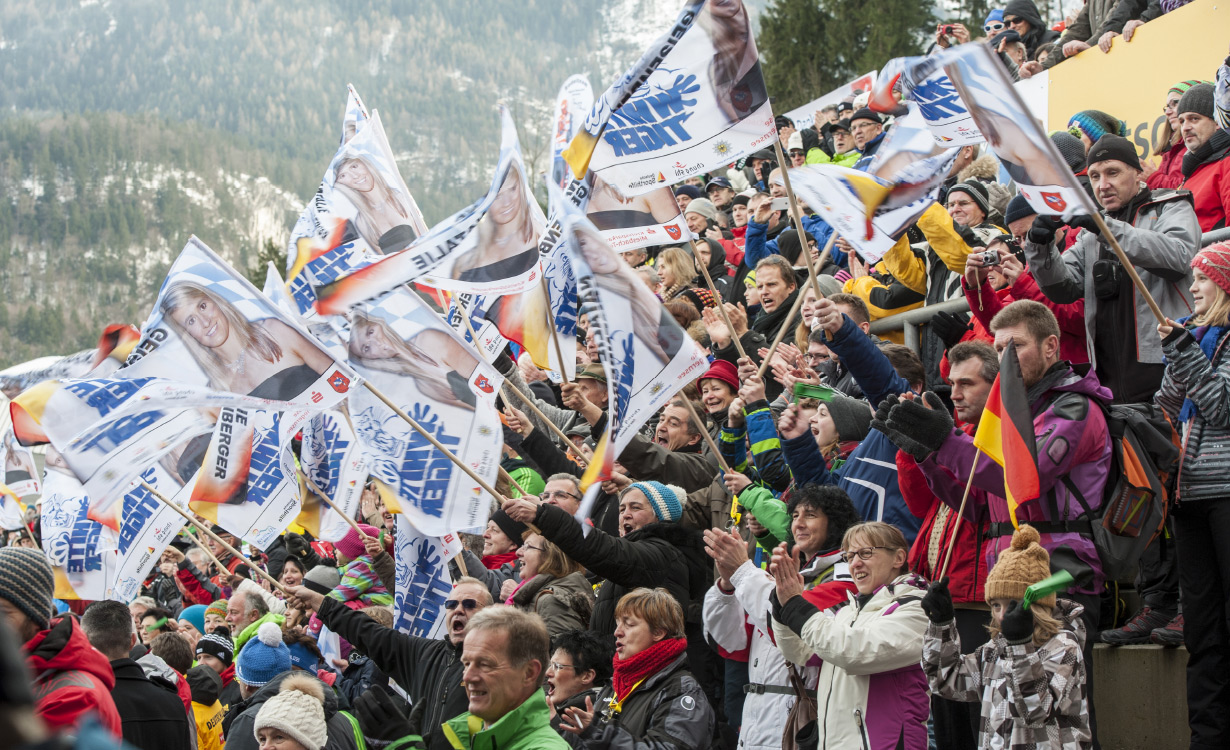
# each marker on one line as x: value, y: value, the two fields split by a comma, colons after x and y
x: 215, y: 615
x: 1033, y: 659
x: 359, y: 586
x: 294, y: 719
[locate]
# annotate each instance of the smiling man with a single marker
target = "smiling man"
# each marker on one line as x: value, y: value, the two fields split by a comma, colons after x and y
x: 504, y: 659
x: 428, y: 669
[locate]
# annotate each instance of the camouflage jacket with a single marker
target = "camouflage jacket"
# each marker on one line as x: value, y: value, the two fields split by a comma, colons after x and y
x: 1032, y: 697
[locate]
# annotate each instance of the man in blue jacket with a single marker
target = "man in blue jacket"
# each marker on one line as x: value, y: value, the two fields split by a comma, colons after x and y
x: 869, y: 474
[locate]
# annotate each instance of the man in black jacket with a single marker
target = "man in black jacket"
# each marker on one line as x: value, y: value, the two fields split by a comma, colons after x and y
x: 427, y: 669
x: 153, y: 716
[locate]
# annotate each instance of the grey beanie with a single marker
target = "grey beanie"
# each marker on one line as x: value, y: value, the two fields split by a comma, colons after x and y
x: 704, y: 207
x: 851, y: 417
x: 975, y: 190
x: 1070, y: 148
x: 1198, y: 99
x: 322, y: 579
x: 28, y: 583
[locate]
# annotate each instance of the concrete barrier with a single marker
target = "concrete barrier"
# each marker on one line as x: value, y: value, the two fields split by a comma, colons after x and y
x: 1141, y: 697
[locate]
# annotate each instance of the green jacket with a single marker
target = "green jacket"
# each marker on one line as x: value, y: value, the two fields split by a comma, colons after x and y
x: 848, y: 159
x: 526, y: 726
x: 770, y: 512
x: 249, y: 632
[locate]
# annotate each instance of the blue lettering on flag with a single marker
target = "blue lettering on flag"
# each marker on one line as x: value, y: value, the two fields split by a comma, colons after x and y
x: 653, y: 121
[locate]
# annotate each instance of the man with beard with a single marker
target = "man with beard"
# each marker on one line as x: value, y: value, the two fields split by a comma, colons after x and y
x: 1206, y: 171
x: 427, y: 669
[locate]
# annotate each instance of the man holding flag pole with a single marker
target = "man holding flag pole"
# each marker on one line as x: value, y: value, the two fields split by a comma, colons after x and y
x: 1073, y: 450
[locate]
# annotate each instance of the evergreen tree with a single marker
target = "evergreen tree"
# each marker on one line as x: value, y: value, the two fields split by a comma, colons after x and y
x: 792, y: 53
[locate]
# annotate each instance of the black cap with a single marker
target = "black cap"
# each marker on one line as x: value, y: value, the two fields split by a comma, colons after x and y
x: 842, y: 124
x: 1018, y: 208
x: 514, y: 530
x: 691, y: 191
x: 845, y: 107
x: 1112, y: 147
x: 740, y: 200
x: 867, y: 114
x: 781, y: 121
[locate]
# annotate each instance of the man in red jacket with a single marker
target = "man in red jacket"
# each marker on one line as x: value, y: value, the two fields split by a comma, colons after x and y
x: 1206, y: 171
x: 973, y: 368
x: 71, y: 679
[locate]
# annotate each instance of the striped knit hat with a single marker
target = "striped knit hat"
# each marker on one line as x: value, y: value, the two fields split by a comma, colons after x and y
x: 28, y: 583
x: 217, y: 644
x: 665, y: 499
x: 1182, y: 86
x: 1214, y: 262
x: 1095, y: 124
x: 216, y: 608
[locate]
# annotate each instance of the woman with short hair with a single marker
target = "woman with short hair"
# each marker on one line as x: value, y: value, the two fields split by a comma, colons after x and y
x: 872, y: 691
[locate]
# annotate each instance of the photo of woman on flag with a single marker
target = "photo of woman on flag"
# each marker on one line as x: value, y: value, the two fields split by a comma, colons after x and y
x: 443, y: 376
x: 610, y: 209
x: 507, y: 238
x: 20, y: 473
x: 264, y: 358
x: 734, y: 72
x: 385, y: 213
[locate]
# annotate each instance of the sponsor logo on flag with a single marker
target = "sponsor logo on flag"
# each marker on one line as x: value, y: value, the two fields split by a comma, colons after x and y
x: 483, y: 384
x: 339, y: 382
x: 1055, y: 201
x: 673, y: 231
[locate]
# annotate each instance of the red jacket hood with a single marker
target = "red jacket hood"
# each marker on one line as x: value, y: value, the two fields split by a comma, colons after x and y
x: 63, y: 647
x: 228, y: 675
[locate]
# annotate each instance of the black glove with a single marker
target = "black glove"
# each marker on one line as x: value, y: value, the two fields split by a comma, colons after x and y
x: 950, y: 328
x: 1017, y: 624
x: 877, y: 422
x: 1043, y: 230
x: 296, y: 545
x: 1085, y: 221
x: 504, y: 363
x: 918, y: 430
x: 938, y: 603
x: 382, y: 723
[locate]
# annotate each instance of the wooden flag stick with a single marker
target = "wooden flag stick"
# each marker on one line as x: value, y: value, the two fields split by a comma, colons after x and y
x: 952, y: 541
x: 1131, y: 270
x: 798, y: 305
x: 527, y: 401
x: 209, y: 553
x: 721, y: 306
x: 209, y: 532
x: 559, y: 354
x: 353, y: 524
x: 700, y: 424
x: 796, y: 216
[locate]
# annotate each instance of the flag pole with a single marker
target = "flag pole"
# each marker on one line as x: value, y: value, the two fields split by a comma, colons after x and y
x: 960, y: 513
x: 196, y: 540
x: 559, y: 354
x: 721, y: 306
x: 353, y: 524
x: 795, y: 215
x: 798, y: 305
x: 1127, y: 265
x: 209, y: 532
x: 734, y: 498
x: 525, y: 400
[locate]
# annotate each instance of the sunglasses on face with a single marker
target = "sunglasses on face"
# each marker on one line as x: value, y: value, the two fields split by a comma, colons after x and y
x: 470, y: 604
x: 993, y: 26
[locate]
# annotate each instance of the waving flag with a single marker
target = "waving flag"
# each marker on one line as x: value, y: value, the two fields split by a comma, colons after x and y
x: 695, y: 101
x: 873, y: 209
x: 923, y: 81
x: 805, y: 116
x: 20, y: 475
x: 84, y: 559
x: 1006, y: 433
x: 572, y: 104
x: 147, y: 526
x: 333, y: 464
x: 423, y: 582
x: 420, y: 364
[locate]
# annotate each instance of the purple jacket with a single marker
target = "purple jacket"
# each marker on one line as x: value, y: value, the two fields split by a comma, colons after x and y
x: 1072, y: 441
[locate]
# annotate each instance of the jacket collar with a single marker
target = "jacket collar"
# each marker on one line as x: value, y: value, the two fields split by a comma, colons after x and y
x: 467, y: 730
x: 1213, y: 150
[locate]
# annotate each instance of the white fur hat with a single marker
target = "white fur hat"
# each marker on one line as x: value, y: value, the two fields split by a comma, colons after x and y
x: 297, y: 710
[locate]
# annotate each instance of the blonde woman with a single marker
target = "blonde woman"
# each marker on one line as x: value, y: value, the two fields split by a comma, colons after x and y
x: 507, y: 240
x: 677, y: 269
x: 266, y: 359
x: 553, y: 585
x: 438, y: 363
x: 381, y: 207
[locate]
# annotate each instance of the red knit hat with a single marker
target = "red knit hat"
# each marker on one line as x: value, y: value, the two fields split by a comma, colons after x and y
x: 723, y: 371
x: 352, y: 546
x: 1214, y: 262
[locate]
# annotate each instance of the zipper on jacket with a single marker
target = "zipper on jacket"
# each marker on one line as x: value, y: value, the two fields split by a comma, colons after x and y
x: 862, y: 728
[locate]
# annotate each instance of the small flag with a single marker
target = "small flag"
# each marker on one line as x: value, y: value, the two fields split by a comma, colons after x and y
x: 1006, y: 434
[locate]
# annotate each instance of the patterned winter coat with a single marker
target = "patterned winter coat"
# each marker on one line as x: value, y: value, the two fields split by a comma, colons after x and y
x: 1032, y: 697
x: 1201, y: 379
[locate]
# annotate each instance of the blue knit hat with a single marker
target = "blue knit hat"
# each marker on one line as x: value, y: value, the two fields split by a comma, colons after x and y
x: 301, y: 658
x: 1095, y: 124
x: 665, y: 499
x: 263, y: 657
x: 195, y: 615
x: 995, y: 16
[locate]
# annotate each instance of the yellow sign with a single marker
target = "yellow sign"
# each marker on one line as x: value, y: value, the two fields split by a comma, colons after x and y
x: 1130, y: 82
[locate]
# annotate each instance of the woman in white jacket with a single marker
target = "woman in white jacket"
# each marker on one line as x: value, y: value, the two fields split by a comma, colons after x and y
x: 872, y: 693
x: 819, y: 517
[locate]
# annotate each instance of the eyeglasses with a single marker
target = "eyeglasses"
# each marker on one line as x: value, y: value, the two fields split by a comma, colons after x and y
x: 451, y: 604
x: 993, y: 26
x: 863, y: 553
x: 546, y: 497
x: 1170, y: 105
x: 530, y: 546
x: 814, y: 358
x: 557, y: 667
x: 796, y: 152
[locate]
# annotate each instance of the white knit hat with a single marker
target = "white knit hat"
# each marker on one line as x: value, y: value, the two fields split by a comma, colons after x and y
x: 297, y: 710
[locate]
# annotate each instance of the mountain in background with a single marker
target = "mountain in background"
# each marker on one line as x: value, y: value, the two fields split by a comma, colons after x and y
x: 125, y: 127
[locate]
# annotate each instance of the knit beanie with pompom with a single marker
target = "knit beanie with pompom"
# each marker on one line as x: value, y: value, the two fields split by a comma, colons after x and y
x: 1019, y: 567
x: 263, y: 657
x: 297, y: 711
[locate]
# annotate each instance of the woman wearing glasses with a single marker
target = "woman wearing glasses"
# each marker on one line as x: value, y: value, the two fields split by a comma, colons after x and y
x: 1169, y: 144
x: 872, y: 691
x: 553, y: 585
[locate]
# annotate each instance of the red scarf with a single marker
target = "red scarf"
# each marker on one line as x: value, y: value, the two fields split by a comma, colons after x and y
x: 630, y: 671
x: 495, y: 562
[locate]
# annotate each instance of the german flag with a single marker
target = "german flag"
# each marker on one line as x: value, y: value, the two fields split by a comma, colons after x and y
x: 1006, y: 433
